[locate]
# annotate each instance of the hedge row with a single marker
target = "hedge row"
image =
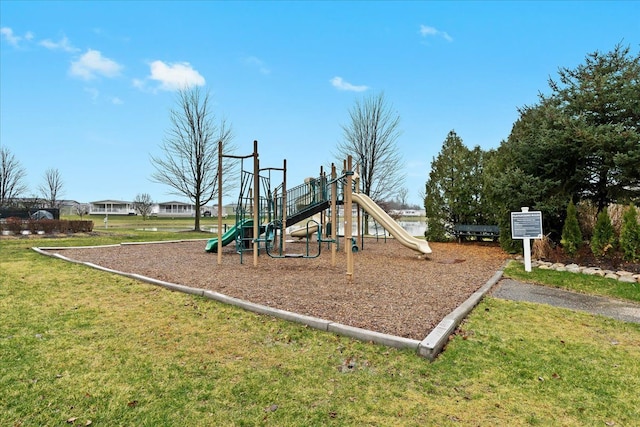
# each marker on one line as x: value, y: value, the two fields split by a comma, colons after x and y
x: 17, y: 225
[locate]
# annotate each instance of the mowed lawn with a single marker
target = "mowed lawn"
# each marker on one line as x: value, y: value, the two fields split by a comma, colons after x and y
x: 83, y: 347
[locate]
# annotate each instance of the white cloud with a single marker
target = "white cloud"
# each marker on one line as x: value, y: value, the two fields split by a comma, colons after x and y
x: 426, y: 31
x: 174, y: 76
x: 12, y: 39
x: 92, y: 64
x: 258, y: 63
x: 116, y: 101
x: 340, y: 84
x: 63, y: 45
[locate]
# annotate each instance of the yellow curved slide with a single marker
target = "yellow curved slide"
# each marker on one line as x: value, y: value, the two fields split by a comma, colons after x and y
x: 390, y: 225
x: 302, y: 231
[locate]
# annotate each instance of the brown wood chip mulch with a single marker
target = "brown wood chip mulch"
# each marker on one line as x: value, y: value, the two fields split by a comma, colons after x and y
x: 394, y: 290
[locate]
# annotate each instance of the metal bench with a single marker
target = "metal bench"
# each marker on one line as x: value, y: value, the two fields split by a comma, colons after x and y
x: 464, y: 231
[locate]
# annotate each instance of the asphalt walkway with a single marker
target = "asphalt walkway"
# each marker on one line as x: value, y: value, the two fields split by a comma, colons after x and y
x: 518, y: 291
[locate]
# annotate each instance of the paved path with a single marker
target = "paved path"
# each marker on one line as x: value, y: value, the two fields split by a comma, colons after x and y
x: 518, y: 291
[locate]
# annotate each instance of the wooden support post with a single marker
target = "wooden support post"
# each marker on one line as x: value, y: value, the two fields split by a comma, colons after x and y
x: 322, y: 185
x: 256, y: 202
x: 348, y: 220
x: 359, y: 230
x: 219, y: 202
x: 284, y: 206
x: 334, y: 214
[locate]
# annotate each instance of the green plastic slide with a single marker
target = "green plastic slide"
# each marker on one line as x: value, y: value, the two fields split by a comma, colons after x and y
x: 229, y: 236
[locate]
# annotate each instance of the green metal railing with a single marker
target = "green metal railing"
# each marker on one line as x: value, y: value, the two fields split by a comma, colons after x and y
x: 307, y: 196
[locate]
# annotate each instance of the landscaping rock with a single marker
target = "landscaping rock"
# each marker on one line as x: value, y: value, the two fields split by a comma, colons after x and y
x: 624, y: 273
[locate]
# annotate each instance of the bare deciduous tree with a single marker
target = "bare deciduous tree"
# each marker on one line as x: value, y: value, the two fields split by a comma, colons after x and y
x: 82, y: 209
x: 143, y: 205
x: 370, y: 139
x: 403, y: 196
x: 52, y: 187
x: 190, y: 148
x: 12, y: 177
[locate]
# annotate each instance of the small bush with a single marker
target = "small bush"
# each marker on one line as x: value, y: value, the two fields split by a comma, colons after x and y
x: 33, y: 225
x: 587, y: 214
x: 571, y: 234
x: 542, y: 248
x: 436, y: 231
x: 48, y: 225
x: 81, y: 226
x: 630, y: 235
x: 509, y: 245
x: 14, y: 224
x: 604, y: 236
x: 616, y: 212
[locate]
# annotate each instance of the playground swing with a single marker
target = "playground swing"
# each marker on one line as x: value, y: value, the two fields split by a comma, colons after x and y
x: 275, y: 228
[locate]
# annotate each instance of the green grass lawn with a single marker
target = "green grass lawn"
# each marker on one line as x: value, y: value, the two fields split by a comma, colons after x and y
x: 80, y: 346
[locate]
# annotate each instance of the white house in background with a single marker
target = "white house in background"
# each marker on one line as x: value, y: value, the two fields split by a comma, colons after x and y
x: 186, y: 209
x: 174, y: 209
x: 409, y: 212
x: 111, y: 207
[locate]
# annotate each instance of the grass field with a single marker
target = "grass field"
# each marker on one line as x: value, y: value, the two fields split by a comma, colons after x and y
x: 83, y: 347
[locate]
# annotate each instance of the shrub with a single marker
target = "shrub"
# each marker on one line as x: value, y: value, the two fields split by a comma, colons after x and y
x: 33, y: 225
x: 587, y: 214
x: 571, y: 234
x: 542, y: 248
x: 81, y: 226
x: 436, y: 231
x: 604, y: 236
x: 508, y: 244
x: 48, y: 225
x: 14, y: 224
x: 630, y: 235
x: 616, y: 212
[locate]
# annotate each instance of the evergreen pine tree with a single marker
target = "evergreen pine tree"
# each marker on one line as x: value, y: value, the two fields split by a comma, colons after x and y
x: 571, y: 234
x: 604, y: 236
x: 630, y: 235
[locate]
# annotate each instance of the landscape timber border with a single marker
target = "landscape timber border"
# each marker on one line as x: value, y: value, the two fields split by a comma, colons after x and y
x: 429, y: 348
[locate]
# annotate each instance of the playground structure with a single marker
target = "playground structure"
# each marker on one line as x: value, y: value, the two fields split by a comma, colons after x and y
x: 263, y: 213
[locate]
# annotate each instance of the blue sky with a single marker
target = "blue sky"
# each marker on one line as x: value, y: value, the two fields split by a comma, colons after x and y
x: 86, y: 87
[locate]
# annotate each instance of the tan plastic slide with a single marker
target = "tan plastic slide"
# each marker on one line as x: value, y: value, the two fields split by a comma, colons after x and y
x: 390, y: 224
x: 302, y: 231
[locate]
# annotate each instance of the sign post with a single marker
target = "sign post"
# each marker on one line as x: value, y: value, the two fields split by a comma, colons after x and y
x: 526, y: 225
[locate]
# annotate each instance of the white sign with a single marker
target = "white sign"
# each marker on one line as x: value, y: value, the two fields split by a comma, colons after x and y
x: 526, y: 225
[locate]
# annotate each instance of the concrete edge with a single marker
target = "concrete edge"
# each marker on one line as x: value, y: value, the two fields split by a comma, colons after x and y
x: 313, y: 322
x: 61, y: 248
x: 162, y: 241
x: 433, y: 344
x: 168, y: 285
x: 372, y: 336
x: 428, y: 348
